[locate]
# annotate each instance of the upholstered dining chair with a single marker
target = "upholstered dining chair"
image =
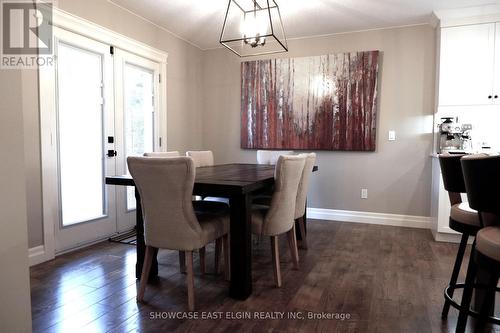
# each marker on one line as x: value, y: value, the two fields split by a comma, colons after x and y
x: 300, y: 204
x: 271, y: 156
x: 204, y: 158
x: 278, y: 218
x: 200, y: 206
x: 163, y: 154
x: 201, y: 158
x: 165, y: 186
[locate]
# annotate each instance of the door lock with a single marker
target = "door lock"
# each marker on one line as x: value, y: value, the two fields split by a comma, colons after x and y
x: 111, y: 153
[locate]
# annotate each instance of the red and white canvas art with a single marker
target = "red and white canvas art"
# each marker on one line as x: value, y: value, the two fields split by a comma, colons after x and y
x: 325, y: 102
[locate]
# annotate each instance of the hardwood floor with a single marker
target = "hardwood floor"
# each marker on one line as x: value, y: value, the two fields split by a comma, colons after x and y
x: 387, y: 279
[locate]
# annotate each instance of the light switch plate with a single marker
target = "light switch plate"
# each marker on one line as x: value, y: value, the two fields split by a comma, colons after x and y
x: 364, y: 193
x: 392, y: 135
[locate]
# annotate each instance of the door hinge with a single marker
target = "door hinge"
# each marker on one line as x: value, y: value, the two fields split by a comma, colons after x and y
x: 159, y: 78
x: 111, y: 50
x: 159, y: 141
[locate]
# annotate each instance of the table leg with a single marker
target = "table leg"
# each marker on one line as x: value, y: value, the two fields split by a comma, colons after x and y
x: 141, y: 245
x: 241, y: 247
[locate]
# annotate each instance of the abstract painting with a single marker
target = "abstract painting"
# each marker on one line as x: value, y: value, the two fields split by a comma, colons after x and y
x: 324, y: 102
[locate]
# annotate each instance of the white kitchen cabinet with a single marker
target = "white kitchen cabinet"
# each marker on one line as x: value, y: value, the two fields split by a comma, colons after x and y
x: 467, y: 65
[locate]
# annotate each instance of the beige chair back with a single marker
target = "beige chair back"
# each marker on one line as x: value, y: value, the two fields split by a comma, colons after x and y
x: 166, y: 186
x: 201, y: 158
x: 281, y: 214
x: 163, y: 154
x: 300, y: 205
x: 271, y: 156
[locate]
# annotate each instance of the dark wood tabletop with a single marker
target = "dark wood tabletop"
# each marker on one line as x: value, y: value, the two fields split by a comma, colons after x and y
x: 242, y: 178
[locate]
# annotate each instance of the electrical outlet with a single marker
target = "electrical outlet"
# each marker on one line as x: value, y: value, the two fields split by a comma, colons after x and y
x: 392, y: 135
x: 364, y: 193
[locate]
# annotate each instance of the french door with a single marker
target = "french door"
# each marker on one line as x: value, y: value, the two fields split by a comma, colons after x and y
x: 85, y: 117
x: 137, y: 89
x: 105, y: 110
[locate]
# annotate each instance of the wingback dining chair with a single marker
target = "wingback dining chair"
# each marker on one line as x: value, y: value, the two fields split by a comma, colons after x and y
x: 278, y: 218
x: 165, y: 186
x: 204, y: 158
x: 300, y: 204
x: 271, y: 156
x: 163, y: 154
x: 200, y: 206
x: 201, y: 158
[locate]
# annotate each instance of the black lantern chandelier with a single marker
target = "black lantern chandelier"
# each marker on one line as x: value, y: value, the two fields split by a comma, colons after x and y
x: 253, y: 27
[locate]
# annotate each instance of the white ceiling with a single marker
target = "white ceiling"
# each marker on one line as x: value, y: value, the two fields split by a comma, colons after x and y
x: 200, y: 21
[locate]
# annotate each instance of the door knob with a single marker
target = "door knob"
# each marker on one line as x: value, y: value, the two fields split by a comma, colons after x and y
x: 111, y: 153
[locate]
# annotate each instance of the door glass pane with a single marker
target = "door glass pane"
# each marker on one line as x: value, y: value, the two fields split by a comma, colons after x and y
x: 80, y: 126
x: 138, y: 117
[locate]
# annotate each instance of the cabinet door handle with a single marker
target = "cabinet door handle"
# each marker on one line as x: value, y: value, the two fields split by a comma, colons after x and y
x: 489, y: 96
x: 496, y: 96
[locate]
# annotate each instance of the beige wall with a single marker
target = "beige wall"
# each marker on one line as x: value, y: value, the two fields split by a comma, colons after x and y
x: 184, y: 85
x: 203, y: 106
x: 15, y: 305
x: 398, y: 174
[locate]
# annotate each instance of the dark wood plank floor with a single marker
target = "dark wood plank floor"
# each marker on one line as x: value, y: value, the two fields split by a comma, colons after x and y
x: 388, y: 279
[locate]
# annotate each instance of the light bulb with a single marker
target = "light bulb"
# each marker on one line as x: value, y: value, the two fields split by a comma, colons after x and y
x: 254, y: 28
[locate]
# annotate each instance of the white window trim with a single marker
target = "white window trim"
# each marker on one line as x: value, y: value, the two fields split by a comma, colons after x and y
x: 47, y: 101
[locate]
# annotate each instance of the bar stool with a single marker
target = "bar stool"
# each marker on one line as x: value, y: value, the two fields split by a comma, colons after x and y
x: 482, y: 180
x: 463, y: 219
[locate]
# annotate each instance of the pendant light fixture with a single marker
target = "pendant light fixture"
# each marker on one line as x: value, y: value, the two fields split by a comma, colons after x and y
x: 253, y: 27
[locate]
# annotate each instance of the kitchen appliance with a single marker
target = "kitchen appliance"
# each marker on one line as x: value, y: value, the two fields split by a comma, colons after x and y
x: 454, y: 137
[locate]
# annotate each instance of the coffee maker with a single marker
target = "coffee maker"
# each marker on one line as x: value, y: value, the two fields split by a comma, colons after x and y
x: 454, y: 137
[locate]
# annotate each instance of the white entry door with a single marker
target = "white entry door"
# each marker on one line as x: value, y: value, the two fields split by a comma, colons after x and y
x: 98, y: 105
x: 137, y: 82
x: 84, y: 121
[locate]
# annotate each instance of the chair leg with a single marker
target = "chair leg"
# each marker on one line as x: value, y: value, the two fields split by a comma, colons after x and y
x: 218, y: 248
x: 467, y: 294
x: 488, y: 300
x: 148, y: 259
x: 190, y: 279
x: 276, y: 260
x: 292, y: 243
x: 455, y: 273
x: 227, y: 263
x: 182, y: 261
x: 302, y: 229
x: 202, y: 260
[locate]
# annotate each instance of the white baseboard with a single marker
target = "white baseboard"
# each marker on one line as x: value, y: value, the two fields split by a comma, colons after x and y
x: 423, y: 222
x: 37, y: 255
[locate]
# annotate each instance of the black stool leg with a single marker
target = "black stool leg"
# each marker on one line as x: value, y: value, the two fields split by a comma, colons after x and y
x: 488, y: 300
x: 467, y: 295
x: 454, y: 275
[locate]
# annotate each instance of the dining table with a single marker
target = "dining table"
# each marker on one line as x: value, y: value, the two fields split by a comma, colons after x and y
x: 239, y: 183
